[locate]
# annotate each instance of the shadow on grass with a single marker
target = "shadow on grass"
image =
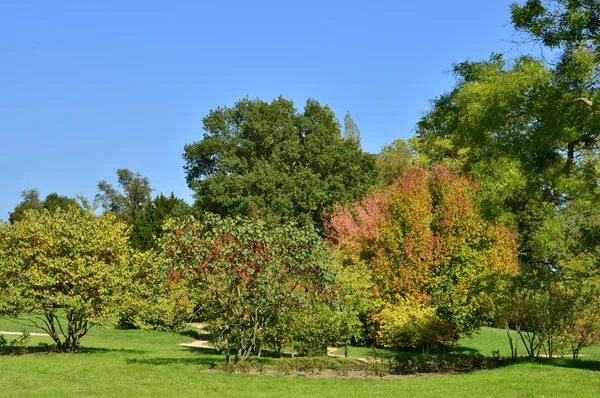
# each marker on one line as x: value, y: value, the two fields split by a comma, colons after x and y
x: 584, y: 364
x: 465, y: 350
x: 92, y: 350
x: 31, y: 350
x: 199, y: 361
x: 201, y: 350
x: 204, y: 357
x: 193, y: 334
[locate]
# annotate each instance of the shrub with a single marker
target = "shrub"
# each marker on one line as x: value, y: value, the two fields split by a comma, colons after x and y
x: 66, y: 264
x: 244, y: 273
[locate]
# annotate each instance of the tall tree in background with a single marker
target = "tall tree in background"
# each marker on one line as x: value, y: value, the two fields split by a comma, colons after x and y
x: 269, y: 159
x: 147, y: 227
x: 31, y: 201
x: 351, y: 131
x: 393, y: 160
x: 128, y: 203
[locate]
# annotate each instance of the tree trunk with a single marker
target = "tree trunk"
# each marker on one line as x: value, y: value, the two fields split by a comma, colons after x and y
x: 510, y: 340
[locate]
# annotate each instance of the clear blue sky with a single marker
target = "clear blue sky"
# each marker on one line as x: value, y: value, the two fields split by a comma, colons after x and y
x: 87, y: 87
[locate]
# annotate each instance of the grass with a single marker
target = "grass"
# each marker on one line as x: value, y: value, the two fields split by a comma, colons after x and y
x: 123, y: 363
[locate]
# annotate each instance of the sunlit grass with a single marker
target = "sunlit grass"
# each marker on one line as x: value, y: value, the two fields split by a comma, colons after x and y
x: 135, y: 363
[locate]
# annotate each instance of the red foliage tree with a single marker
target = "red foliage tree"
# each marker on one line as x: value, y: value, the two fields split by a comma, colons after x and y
x: 427, y: 244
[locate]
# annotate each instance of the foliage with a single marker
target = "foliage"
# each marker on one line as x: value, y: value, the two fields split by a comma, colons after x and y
x: 559, y: 23
x: 268, y: 159
x: 393, y: 160
x: 134, y: 205
x: 17, y: 345
x: 427, y: 245
x: 351, y: 130
x: 67, y: 263
x: 31, y: 201
x: 244, y: 274
x: 405, y: 324
x: 583, y: 323
x: 334, y: 319
x: 350, y: 305
x: 147, y: 227
x: 129, y: 203
x: 307, y: 330
x: 155, y: 300
x: 557, y: 316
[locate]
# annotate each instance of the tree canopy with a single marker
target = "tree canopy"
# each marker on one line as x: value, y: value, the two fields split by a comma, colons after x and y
x: 147, y: 227
x: 269, y: 159
x: 31, y: 201
x: 430, y: 254
x: 245, y: 274
x: 129, y: 203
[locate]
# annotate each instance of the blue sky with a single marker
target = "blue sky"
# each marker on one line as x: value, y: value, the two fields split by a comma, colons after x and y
x: 87, y: 87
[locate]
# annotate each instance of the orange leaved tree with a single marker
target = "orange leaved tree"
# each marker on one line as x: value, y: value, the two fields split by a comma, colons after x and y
x: 435, y: 262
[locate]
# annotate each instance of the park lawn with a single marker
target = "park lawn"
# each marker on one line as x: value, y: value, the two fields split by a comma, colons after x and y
x: 126, y: 363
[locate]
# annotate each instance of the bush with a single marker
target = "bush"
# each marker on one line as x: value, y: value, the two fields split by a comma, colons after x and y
x: 244, y: 274
x: 17, y: 345
x: 373, y: 366
x: 240, y: 367
x: 406, y: 325
x: 67, y: 264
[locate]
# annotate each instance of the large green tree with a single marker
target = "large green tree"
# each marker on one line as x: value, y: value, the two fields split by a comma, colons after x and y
x: 527, y: 130
x: 528, y: 138
x: 269, y: 159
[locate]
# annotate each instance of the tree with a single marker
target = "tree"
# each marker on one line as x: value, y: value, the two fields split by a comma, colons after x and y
x: 350, y: 305
x: 270, y: 160
x: 528, y: 132
x: 129, y: 203
x: 351, y: 131
x: 155, y: 300
x: 69, y: 265
x: 393, y: 160
x: 430, y: 251
x: 31, y: 201
x: 244, y: 274
x: 562, y: 24
x: 559, y: 314
x: 147, y: 227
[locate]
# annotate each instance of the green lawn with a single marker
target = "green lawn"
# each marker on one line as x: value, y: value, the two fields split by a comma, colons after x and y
x: 135, y: 363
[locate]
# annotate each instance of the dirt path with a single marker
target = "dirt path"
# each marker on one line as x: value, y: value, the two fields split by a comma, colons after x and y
x: 201, y: 342
x: 20, y: 333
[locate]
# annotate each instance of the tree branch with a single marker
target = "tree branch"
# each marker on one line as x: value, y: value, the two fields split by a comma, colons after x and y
x: 584, y: 100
